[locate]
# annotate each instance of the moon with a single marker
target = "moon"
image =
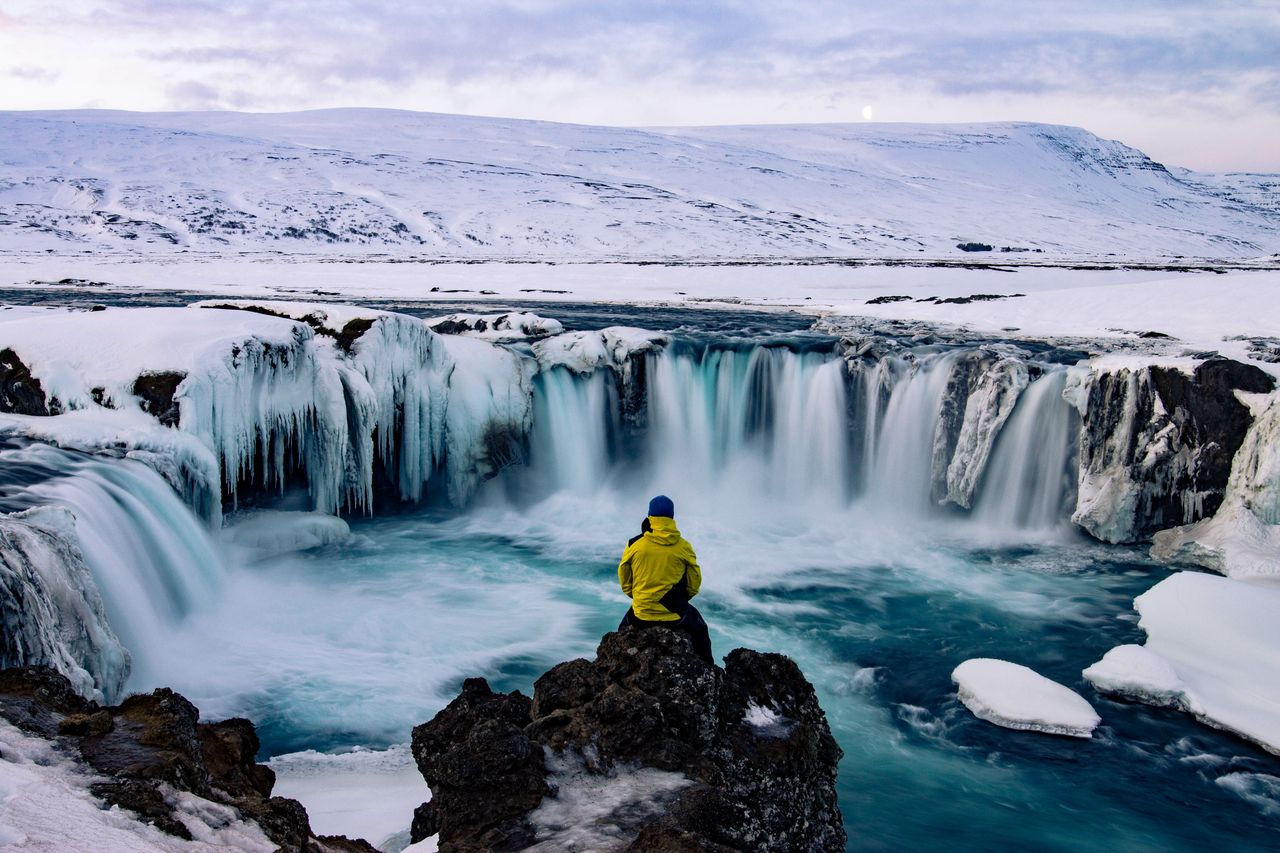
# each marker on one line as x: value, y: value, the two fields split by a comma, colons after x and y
x: 866, y: 112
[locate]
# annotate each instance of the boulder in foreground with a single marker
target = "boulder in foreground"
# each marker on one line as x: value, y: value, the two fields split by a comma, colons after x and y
x: 150, y: 755
x: 646, y: 748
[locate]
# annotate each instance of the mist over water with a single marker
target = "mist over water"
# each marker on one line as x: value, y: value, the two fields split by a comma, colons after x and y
x: 807, y: 497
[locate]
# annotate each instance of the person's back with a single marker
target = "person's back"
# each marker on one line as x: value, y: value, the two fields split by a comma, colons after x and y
x: 659, y: 572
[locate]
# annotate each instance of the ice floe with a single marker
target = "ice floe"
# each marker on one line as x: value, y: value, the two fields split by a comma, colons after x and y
x: 1212, y: 649
x: 1011, y: 695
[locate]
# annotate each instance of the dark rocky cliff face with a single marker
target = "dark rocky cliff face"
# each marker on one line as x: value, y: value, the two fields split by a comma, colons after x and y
x: 694, y: 758
x: 153, y: 741
x: 1157, y: 446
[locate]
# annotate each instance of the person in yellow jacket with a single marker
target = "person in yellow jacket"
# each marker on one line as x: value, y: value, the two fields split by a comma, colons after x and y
x: 659, y: 573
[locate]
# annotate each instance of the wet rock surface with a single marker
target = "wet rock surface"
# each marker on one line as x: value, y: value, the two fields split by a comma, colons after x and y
x: 1158, y: 443
x: 750, y: 741
x: 152, y: 744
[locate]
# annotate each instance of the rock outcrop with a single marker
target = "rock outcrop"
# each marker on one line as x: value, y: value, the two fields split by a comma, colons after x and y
x: 1158, y: 443
x: 151, y: 746
x: 646, y: 748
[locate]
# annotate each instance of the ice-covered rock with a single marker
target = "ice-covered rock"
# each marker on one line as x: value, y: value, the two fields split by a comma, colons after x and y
x: 270, y: 390
x: 981, y: 392
x: 647, y: 746
x: 1011, y: 695
x: 1158, y: 443
x: 489, y: 413
x: 51, y: 612
x: 267, y: 533
x: 1242, y: 539
x: 511, y: 326
x: 1217, y: 640
x: 585, y: 352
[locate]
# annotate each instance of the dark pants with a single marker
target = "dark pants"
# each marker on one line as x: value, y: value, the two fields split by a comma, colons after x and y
x: 690, y: 623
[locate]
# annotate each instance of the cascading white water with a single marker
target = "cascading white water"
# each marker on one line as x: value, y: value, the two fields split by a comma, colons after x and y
x: 576, y: 459
x: 154, y: 562
x: 732, y: 425
x: 1027, y: 481
x: 900, y: 464
x: 764, y: 421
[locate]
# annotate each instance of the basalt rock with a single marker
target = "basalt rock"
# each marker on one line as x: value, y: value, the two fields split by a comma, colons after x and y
x: 151, y: 744
x: 20, y: 392
x: 1158, y: 443
x: 743, y: 757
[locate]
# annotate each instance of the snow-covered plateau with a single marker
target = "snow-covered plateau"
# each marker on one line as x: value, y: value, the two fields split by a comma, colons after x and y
x: 381, y: 181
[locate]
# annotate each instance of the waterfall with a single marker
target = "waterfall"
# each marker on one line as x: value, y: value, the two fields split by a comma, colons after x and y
x: 737, y: 425
x: 1029, y: 479
x: 900, y: 463
x: 153, y: 561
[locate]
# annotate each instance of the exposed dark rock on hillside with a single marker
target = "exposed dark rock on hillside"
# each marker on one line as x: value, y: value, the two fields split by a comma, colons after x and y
x: 702, y: 759
x: 150, y: 742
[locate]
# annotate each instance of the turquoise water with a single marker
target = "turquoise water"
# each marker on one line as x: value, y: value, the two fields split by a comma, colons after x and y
x: 355, y: 644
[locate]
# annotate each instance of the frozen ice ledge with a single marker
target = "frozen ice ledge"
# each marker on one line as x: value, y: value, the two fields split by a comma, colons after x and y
x: 224, y: 396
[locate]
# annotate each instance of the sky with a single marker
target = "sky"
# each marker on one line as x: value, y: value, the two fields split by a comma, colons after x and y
x: 1194, y: 84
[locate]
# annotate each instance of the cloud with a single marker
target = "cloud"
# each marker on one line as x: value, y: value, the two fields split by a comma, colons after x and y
x: 35, y: 74
x: 572, y: 56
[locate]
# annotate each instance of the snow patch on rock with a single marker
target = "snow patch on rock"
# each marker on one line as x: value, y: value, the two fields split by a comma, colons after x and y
x: 511, y: 326
x: 48, y: 806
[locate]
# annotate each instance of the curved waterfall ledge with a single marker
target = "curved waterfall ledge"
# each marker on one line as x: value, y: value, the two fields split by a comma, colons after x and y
x: 221, y: 398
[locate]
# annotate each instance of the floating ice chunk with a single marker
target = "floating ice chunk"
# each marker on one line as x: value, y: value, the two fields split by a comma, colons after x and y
x: 268, y: 533
x: 1219, y: 636
x: 511, y: 326
x: 1016, y: 697
x: 1137, y: 673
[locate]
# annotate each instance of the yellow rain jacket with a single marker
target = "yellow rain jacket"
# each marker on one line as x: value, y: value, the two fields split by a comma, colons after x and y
x: 653, y: 564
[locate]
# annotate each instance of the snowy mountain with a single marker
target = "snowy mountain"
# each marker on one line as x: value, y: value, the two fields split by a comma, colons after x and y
x: 361, y: 182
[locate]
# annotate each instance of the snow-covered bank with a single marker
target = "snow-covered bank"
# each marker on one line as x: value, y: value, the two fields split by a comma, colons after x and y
x: 363, y: 793
x: 48, y: 807
x: 1212, y: 649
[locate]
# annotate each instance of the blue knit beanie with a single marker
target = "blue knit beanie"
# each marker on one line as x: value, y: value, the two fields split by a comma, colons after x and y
x: 662, y: 507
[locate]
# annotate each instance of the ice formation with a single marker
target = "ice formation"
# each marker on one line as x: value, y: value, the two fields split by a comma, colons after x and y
x: 267, y: 388
x: 1241, y: 540
x: 52, y: 611
x: 1212, y: 649
x: 1011, y: 695
x: 268, y: 533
